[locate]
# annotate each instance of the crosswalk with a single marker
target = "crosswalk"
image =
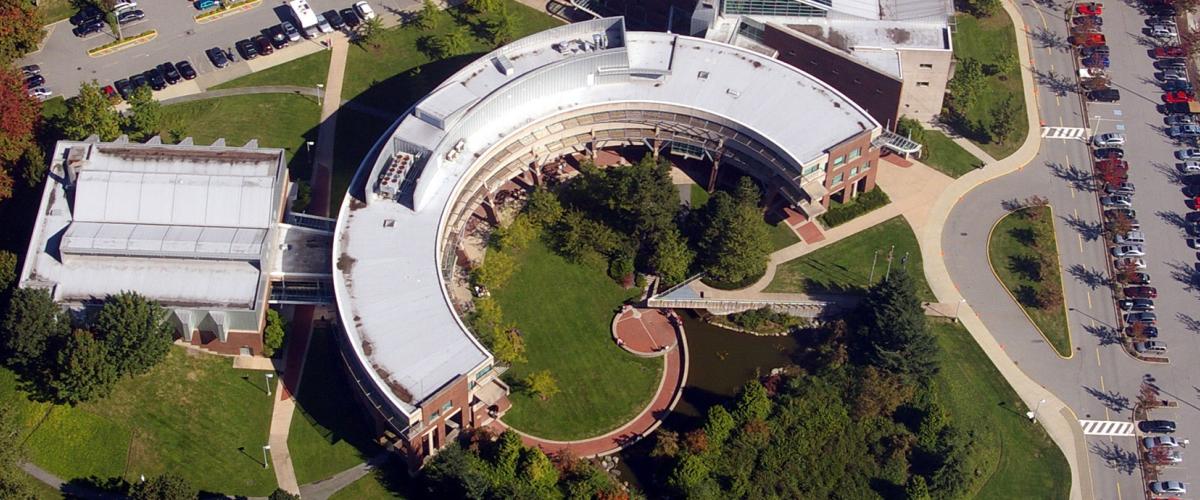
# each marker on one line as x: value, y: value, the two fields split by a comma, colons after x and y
x: 1106, y: 428
x: 1065, y: 133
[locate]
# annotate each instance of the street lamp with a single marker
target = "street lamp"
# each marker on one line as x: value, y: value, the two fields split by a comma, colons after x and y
x: 308, y: 145
x: 956, y: 308
x: 319, y: 87
x: 269, y: 377
x: 1033, y: 414
x: 266, y: 448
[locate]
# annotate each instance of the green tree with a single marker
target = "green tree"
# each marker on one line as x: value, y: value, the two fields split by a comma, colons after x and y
x: 1004, y: 122
x: 167, y: 486
x: 135, y: 330
x: 33, y: 165
x: 666, y: 443
x: 718, y: 425
x: 454, y: 42
x: 501, y: 25
x: 279, y: 494
x: 91, y: 113
x: 983, y: 8
x: 517, y: 235
x: 84, y: 371
x: 429, y: 17
x: 735, y: 241
x: 753, y: 404
x: 969, y: 81
x: 916, y: 488
x: 33, y: 325
x: 495, y: 271
x: 369, y: 31
x: 671, y: 258
x: 145, y: 115
x: 8, y: 270
x: 456, y: 473
x: 893, y: 329
x: 22, y: 30
x: 542, y: 384
x: 273, y: 332
x: 508, y: 346
x: 485, y: 6
x: 543, y: 207
x: 691, y: 476
x: 536, y: 474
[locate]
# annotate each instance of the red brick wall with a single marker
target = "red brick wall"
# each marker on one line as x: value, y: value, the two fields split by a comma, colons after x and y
x: 870, y: 157
x: 457, y: 394
x: 233, y: 346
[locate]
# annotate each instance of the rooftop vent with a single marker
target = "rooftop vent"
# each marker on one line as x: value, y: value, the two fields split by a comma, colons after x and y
x: 703, y: 75
x: 733, y: 93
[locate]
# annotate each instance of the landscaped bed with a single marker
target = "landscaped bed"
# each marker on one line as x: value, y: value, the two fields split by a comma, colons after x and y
x: 841, y: 213
x: 1023, y: 254
x: 939, y: 151
x: 846, y: 265
x: 564, y: 312
x: 193, y: 415
x: 989, y: 40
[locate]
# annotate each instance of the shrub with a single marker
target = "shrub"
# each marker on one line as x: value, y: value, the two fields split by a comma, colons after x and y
x: 273, y: 333
x: 866, y: 202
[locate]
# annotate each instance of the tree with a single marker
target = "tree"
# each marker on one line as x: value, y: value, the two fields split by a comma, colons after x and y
x: 84, y: 370
x: 536, y: 474
x: 1049, y: 291
x: 879, y: 393
x: 517, y: 235
x: 279, y: 494
x: 501, y: 25
x: 167, y: 486
x: 145, y: 114
x: 8, y: 270
x: 273, y: 332
x: 734, y: 240
x: 983, y: 8
x: 1004, y: 122
x: 495, y: 271
x: 13, y: 482
x: 33, y: 325
x: 91, y: 113
x: 893, y: 329
x: 542, y: 384
x: 718, y: 425
x: 430, y: 16
x: 671, y: 258
x: 135, y: 330
x: 485, y: 6
x: 369, y: 30
x: 968, y: 82
x: 666, y: 443
x: 543, y: 207
x: 33, y: 165
x: 19, y: 115
x: 508, y: 346
x: 916, y: 488
x: 22, y: 30
x: 753, y: 404
x: 454, y: 42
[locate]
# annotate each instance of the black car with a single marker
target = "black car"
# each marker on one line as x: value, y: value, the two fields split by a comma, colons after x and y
x: 123, y: 88
x: 279, y: 39
x: 1157, y: 426
x: 1104, y: 153
x: 156, y: 79
x: 89, y: 27
x: 264, y: 45
x: 1150, y: 332
x: 335, y: 21
x: 1175, y: 108
x: 130, y: 16
x: 137, y: 81
x: 217, y: 56
x: 169, y: 72
x: 34, y: 81
x: 185, y: 70
x: 1093, y: 20
x: 1104, y: 95
x: 246, y: 49
x: 1098, y: 49
x: 350, y: 17
x: 1174, y: 85
x: 1161, y: 11
x: 31, y: 69
x: 86, y: 14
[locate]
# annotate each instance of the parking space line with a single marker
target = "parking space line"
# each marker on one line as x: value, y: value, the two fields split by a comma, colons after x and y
x: 1080, y: 236
x: 1097, y: 356
x: 1089, y: 296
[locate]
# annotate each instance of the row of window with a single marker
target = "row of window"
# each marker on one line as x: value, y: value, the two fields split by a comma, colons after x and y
x: 843, y: 158
x: 853, y: 172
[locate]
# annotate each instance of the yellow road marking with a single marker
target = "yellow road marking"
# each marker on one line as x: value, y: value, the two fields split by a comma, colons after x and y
x: 1097, y: 356
x: 1089, y: 296
x: 1080, y: 236
x: 1118, y: 491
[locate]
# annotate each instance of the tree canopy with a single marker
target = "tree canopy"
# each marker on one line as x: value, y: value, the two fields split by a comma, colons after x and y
x: 22, y: 30
x: 33, y: 326
x: 89, y: 113
x: 734, y: 241
x: 893, y: 332
x: 135, y: 330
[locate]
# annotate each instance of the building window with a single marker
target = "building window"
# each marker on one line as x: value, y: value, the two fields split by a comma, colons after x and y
x: 447, y: 406
x: 839, y: 160
x: 810, y: 169
x: 855, y: 154
x: 837, y: 179
x: 926, y: 66
x: 434, y: 416
x: 865, y: 166
x: 922, y: 84
x: 853, y: 171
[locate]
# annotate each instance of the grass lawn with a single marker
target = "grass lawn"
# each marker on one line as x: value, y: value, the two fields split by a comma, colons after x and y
x: 56, y: 10
x: 306, y: 71
x: 699, y: 196
x: 43, y: 491
x: 192, y: 415
x: 565, y: 312
x: 782, y: 236
x: 846, y: 265
x: 378, y: 485
x: 328, y: 434
x: 1013, y: 459
x: 276, y: 120
x: 1013, y: 260
x: 985, y: 40
x: 942, y: 153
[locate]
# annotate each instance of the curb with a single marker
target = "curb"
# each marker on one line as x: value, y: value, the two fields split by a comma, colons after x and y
x: 104, y: 50
x: 208, y: 17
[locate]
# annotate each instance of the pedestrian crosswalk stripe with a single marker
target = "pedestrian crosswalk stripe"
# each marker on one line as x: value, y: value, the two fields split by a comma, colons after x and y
x: 1106, y: 428
x: 1065, y: 133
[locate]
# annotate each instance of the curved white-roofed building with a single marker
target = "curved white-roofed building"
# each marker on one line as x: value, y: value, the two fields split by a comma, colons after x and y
x: 562, y: 91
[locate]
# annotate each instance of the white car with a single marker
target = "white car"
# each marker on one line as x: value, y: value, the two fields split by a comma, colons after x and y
x: 1167, y: 487
x: 1161, y: 31
x: 1156, y: 441
x: 1128, y: 251
x: 289, y: 29
x: 323, y: 24
x: 1189, y: 167
x: 1109, y: 139
x: 41, y: 93
x: 124, y: 5
x: 1188, y: 154
x: 1122, y: 262
x: 1193, y: 243
x: 364, y: 11
x: 1116, y: 200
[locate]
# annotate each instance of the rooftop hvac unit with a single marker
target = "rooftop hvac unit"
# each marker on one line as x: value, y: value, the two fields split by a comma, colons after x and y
x: 392, y: 176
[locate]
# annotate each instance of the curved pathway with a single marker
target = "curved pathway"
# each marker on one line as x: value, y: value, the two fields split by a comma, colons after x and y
x: 648, y: 333
x: 670, y: 388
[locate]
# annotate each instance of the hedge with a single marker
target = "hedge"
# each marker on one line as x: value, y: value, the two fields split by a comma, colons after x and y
x: 866, y: 202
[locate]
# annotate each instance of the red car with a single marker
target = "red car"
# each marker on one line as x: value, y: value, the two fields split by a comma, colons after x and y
x: 110, y: 92
x: 1118, y: 165
x: 1141, y: 292
x: 1169, y: 51
x: 1178, y: 96
x: 1090, y: 9
x: 1087, y: 40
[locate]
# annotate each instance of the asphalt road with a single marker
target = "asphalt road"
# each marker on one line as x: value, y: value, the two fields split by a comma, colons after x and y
x: 1099, y: 380
x: 65, y: 62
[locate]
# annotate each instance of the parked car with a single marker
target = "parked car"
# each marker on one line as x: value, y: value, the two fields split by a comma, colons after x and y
x: 1108, y: 140
x: 186, y: 70
x: 1180, y: 119
x: 217, y: 56
x: 1089, y: 9
x: 263, y: 44
x: 206, y: 4
x: 1113, y: 153
x: 1169, y: 51
x: 323, y: 24
x: 1097, y: 49
x: 120, y: 6
x: 87, y: 13
x: 1141, y: 292
x: 1140, y: 279
x: 1163, y: 31
x: 279, y: 39
x: 1184, y: 131
x: 130, y: 16
x: 335, y: 20
x: 123, y: 88
x: 1141, y: 305
x: 32, y: 81
x: 246, y: 49
x: 1179, y: 64
x: 1130, y: 238
x: 1178, y: 96
x: 1095, y: 61
x: 1189, y: 167
x: 88, y: 28
x: 350, y: 17
x: 1156, y: 441
x: 1116, y: 201
x: 40, y: 92
x: 290, y: 30
x: 1172, y: 74
x: 1087, y: 39
x: 31, y: 69
x: 1150, y: 332
x: 1112, y: 213
x: 1193, y: 243
x: 1168, y: 487
x: 1104, y: 95
x: 1172, y: 456
x: 137, y: 81
x: 1096, y: 20
x: 1152, y: 347
x: 1129, y: 261
x: 156, y: 79
x: 1125, y: 188
x: 1162, y: 9
x: 1128, y: 251
x: 1171, y: 85
x: 364, y: 11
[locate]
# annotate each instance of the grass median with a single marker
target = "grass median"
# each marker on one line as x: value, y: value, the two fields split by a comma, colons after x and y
x: 988, y: 40
x: 1024, y: 255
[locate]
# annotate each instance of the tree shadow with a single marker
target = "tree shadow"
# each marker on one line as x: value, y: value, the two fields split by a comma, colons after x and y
x: 1011, y: 205
x: 1173, y: 175
x: 1115, y: 456
x: 1061, y: 85
x: 1027, y: 296
x: 1079, y: 179
x: 1189, y: 323
x: 1047, y: 39
x: 1107, y: 335
x: 1187, y: 274
x: 1091, y: 277
x: 1110, y: 399
x: 1027, y: 266
x: 1090, y: 231
x: 1179, y: 221
x: 1023, y: 235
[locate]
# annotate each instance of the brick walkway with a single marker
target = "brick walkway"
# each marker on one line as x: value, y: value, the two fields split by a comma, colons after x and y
x: 644, y: 332
x: 669, y: 390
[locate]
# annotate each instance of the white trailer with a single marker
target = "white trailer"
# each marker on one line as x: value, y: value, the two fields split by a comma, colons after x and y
x: 305, y: 17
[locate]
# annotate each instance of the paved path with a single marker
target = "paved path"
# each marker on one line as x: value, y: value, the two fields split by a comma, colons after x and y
x: 670, y: 388
x: 320, y: 490
x: 68, y: 490
x: 644, y: 332
x: 285, y: 405
x: 322, y: 174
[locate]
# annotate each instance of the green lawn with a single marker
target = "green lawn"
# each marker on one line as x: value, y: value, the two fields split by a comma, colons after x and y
x: 42, y: 491
x: 56, y: 10
x: 1014, y: 458
x: 565, y: 311
x: 306, y: 71
x: 1013, y: 259
x: 276, y: 120
x: 846, y: 265
x: 985, y: 40
x: 328, y: 434
x: 377, y: 485
x: 191, y: 415
x: 944, y: 154
x: 782, y: 236
x: 699, y: 196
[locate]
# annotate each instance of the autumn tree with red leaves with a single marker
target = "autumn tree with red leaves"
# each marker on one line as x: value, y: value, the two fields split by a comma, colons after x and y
x: 19, y: 117
x: 20, y: 29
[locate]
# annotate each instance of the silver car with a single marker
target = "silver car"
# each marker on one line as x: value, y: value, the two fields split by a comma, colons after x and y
x: 1116, y: 200
x: 1167, y: 487
x: 1188, y: 154
x: 1152, y: 442
x: 1128, y: 251
x: 1110, y: 139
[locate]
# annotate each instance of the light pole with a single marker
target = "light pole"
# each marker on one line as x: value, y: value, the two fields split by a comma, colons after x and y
x: 266, y: 448
x: 319, y: 87
x: 874, y: 258
x: 956, y: 308
x: 1033, y: 414
x: 269, y: 377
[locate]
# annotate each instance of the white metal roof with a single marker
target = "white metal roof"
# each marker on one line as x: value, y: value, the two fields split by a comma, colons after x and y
x: 390, y: 292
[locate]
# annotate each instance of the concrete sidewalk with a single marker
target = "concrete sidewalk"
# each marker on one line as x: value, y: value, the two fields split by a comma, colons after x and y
x: 322, y: 174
